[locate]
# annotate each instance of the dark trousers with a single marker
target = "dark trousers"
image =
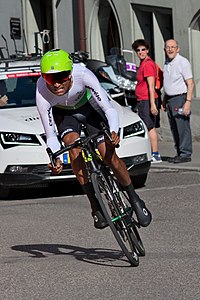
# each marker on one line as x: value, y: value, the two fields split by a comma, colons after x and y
x: 180, y: 126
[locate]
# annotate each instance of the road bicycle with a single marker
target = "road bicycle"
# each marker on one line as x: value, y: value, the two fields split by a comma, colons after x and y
x: 112, y: 198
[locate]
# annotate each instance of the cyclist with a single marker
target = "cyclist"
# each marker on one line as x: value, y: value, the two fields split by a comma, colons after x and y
x: 67, y: 94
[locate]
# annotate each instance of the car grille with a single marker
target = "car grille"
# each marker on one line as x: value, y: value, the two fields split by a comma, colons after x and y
x: 39, y: 169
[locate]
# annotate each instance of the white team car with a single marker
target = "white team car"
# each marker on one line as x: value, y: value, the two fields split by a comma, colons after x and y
x: 23, y: 157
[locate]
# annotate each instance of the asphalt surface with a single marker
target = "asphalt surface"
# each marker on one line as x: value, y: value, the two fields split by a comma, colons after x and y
x: 51, y: 251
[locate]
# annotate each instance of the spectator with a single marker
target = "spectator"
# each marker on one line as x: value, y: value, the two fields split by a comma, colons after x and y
x: 178, y: 88
x: 145, y: 92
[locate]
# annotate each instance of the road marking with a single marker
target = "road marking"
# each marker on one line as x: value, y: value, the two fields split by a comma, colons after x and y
x: 171, y: 187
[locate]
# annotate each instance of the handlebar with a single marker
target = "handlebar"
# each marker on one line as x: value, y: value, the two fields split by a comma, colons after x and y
x: 80, y: 142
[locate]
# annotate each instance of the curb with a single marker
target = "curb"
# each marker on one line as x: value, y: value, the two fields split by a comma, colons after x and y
x: 175, y: 167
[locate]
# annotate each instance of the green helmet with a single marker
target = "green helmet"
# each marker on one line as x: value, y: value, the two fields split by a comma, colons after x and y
x: 56, y: 60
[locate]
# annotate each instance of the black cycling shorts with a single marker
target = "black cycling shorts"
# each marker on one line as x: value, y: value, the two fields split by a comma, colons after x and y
x: 68, y: 120
x: 145, y: 114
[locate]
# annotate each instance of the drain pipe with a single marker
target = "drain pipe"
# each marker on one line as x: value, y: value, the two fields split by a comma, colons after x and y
x: 55, y: 25
x: 81, y: 25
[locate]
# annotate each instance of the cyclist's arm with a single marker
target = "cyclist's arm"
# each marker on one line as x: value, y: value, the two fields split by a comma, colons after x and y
x: 98, y: 93
x: 45, y: 112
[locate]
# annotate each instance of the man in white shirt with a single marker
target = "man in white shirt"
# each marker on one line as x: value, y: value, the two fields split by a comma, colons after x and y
x: 178, y: 86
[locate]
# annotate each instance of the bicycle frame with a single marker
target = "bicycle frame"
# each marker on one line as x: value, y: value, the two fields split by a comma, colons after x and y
x: 91, y: 158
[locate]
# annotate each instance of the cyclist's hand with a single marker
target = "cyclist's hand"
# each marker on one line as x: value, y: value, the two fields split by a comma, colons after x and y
x: 115, y: 138
x: 58, y: 169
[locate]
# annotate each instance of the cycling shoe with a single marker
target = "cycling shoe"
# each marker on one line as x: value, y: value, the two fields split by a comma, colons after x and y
x: 144, y: 216
x: 99, y: 220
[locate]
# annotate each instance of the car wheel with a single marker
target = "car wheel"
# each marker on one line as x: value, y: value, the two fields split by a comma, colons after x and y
x: 139, y: 180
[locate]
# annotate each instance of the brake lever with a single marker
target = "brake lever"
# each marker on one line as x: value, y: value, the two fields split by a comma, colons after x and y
x: 52, y: 159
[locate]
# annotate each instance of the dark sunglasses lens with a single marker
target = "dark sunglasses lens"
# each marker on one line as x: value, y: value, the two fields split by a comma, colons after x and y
x: 56, y: 77
x: 138, y: 50
x: 48, y: 78
x: 62, y: 76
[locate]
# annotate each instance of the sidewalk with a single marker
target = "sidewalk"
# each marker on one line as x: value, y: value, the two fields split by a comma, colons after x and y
x: 166, y: 149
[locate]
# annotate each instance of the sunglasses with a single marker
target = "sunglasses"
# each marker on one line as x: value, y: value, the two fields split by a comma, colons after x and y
x: 53, y: 78
x: 142, y: 49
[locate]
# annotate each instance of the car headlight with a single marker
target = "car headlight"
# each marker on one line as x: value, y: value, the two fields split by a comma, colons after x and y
x: 126, y: 84
x: 135, y: 129
x: 13, y: 139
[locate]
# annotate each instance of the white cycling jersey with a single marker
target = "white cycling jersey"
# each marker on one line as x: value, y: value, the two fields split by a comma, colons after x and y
x: 82, y: 80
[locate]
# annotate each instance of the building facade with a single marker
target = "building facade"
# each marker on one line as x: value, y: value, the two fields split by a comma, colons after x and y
x: 34, y: 26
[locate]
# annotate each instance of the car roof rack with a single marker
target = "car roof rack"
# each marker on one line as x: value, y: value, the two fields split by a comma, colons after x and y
x: 12, y: 63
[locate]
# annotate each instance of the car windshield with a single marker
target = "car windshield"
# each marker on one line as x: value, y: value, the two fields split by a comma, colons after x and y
x: 18, y: 91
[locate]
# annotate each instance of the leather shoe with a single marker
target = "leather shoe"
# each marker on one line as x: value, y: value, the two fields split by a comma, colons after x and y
x: 171, y: 159
x: 182, y: 159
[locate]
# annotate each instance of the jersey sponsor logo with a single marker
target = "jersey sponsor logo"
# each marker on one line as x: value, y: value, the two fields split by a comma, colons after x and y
x: 94, y: 92
x: 79, y: 96
x: 50, y: 117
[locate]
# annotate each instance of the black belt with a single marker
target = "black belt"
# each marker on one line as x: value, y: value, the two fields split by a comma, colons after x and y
x: 172, y: 96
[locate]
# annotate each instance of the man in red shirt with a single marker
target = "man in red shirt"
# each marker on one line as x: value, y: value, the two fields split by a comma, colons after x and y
x: 146, y: 94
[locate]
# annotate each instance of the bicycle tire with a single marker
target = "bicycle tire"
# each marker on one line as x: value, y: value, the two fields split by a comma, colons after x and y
x: 122, y: 198
x: 138, y: 242
x: 105, y: 197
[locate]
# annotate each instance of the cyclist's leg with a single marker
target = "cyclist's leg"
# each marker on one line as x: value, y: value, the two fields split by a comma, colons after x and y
x: 69, y: 130
x: 120, y: 171
x: 93, y: 119
x: 79, y: 169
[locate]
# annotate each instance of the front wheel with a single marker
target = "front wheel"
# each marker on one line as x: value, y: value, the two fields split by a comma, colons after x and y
x: 126, y: 214
x: 107, y: 201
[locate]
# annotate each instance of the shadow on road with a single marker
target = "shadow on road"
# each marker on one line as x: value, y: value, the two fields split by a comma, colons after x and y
x: 44, y: 191
x: 97, y: 256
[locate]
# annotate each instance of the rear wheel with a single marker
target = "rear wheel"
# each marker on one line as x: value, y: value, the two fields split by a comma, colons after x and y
x: 117, y: 223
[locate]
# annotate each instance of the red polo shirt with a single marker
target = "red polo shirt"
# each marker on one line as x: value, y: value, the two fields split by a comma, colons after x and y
x: 146, y: 69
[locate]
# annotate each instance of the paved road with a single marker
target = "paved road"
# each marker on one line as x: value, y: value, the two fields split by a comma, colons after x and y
x: 50, y: 250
